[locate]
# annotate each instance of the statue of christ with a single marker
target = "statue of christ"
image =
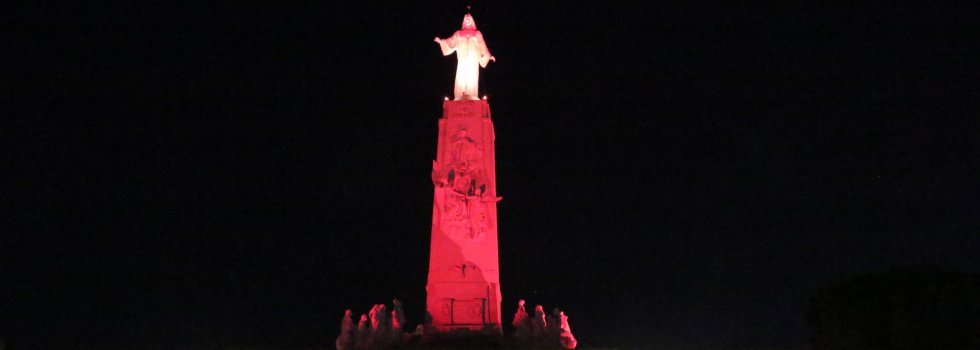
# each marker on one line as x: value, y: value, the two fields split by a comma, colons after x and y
x: 471, y: 51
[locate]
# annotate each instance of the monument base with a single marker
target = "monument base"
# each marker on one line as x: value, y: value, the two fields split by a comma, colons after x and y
x: 462, y: 339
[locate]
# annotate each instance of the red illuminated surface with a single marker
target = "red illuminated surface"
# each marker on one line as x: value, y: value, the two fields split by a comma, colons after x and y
x: 463, y: 289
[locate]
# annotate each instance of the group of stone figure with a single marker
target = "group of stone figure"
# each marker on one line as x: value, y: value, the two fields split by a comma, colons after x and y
x: 541, y: 330
x: 380, y: 329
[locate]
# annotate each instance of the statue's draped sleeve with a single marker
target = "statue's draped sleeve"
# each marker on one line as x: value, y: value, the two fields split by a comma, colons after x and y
x: 484, y: 52
x: 448, y: 45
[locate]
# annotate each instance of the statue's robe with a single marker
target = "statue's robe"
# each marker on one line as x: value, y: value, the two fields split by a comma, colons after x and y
x: 471, y: 54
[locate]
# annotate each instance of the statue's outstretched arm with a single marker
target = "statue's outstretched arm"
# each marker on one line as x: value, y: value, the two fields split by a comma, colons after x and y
x: 447, y: 45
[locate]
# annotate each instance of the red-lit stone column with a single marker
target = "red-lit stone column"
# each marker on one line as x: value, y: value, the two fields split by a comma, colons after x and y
x: 463, y: 289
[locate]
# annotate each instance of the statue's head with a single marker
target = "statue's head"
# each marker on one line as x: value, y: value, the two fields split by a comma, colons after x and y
x: 520, y: 302
x: 468, y: 22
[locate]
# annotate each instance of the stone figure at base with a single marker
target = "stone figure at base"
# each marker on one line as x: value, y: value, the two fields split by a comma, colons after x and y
x: 346, y: 339
x: 522, y: 325
x: 539, y: 325
x: 363, y: 339
x: 520, y: 318
x: 378, y: 317
x: 567, y: 339
x: 542, y: 330
x: 397, y: 316
x: 377, y: 329
x: 553, y: 329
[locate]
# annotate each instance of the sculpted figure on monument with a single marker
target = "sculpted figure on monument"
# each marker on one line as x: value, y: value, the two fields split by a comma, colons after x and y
x: 460, y: 193
x: 363, y: 340
x: 567, y: 339
x: 464, y: 154
x: 477, y: 220
x: 471, y: 54
x: 378, y: 319
x: 542, y: 330
x: 463, y: 183
x: 554, y: 326
x: 538, y: 326
x: 522, y: 325
x: 362, y: 323
x: 377, y: 329
x: 520, y: 317
x: 397, y: 316
x: 346, y: 339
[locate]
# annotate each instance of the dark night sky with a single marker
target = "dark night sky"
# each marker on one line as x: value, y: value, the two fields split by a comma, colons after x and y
x: 684, y: 174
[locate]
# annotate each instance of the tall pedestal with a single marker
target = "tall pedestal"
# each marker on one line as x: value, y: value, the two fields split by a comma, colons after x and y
x: 463, y: 289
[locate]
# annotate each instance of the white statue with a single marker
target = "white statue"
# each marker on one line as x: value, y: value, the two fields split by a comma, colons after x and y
x: 471, y: 54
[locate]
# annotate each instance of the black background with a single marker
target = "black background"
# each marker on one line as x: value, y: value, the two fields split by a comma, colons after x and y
x: 682, y: 174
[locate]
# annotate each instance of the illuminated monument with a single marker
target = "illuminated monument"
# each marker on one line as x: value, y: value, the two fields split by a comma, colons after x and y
x: 463, y: 289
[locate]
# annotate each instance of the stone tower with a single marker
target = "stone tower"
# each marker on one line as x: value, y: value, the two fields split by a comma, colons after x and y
x: 463, y: 289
